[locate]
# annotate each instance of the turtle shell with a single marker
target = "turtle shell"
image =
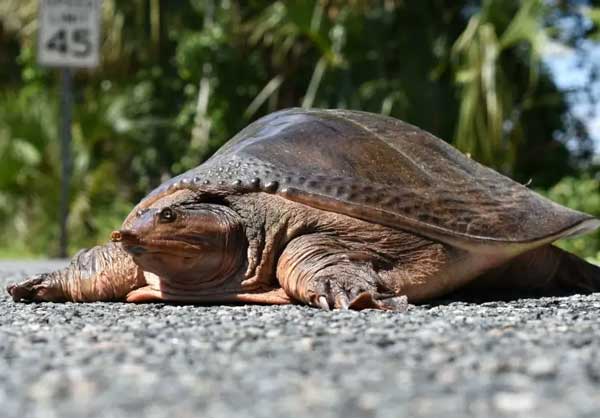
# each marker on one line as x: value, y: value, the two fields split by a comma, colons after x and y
x: 382, y: 170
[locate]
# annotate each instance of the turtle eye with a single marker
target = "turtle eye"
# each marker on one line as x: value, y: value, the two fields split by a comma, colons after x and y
x: 167, y: 215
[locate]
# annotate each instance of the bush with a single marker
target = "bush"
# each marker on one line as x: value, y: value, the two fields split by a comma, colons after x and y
x: 582, y: 194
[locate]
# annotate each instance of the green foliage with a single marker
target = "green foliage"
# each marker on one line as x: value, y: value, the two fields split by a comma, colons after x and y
x: 30, y: 176
x: 582, y: 194
x: 490, y: 100
x: 179, y: 78
x: 29, y: 170
x: 594, y: 15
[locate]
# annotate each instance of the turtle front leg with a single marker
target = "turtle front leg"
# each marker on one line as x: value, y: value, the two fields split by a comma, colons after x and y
x: 102, y: 273
x: 318, y: 270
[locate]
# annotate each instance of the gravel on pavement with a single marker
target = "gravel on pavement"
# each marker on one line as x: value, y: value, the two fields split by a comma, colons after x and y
x: 523, y: 358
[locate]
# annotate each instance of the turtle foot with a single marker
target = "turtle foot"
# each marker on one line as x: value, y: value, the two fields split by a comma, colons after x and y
x: 327, y: 278
x: 364, y: 300
x: 353, y: 288
x: 38, y: 288
x: 102, y: 273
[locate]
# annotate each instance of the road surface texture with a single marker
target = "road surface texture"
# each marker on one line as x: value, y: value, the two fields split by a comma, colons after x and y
x: 525, y: 358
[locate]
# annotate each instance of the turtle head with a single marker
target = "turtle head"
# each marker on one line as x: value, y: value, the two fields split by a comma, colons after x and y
x: 191, y: 246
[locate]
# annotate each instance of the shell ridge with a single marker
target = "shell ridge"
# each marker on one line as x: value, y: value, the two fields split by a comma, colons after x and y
x: 437, y: 232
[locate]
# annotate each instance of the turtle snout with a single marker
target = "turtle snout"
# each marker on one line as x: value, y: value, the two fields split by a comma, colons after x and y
x: 130, y: 241
x: 124, y: 235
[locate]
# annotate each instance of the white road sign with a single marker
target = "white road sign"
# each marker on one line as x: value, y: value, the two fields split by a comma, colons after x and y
x: 69, y: 33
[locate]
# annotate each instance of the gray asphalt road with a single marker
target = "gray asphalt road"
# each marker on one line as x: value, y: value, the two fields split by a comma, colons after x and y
x: 527, y: 358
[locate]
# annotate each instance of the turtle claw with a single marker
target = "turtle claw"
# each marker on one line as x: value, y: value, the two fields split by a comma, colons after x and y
x: 364, y: 300
x: 23, y: 291
x: 367, y: 300
x: 329, y: 293
x: 323, y: 304
x: 342, y: 302
x: 35, y: 289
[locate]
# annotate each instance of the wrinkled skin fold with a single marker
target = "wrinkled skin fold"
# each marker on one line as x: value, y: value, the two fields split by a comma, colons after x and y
x: 102, y: 273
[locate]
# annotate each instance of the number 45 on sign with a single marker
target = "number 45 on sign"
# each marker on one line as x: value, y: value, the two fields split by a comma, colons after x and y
x: 69, y: 33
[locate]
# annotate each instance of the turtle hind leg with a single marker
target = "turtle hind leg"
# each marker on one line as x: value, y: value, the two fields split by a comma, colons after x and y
x: 544, y: 271
x: 574, y: 274
x: 101, y: 273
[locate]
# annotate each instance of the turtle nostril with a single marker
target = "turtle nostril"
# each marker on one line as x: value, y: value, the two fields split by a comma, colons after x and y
x: 124, y: 236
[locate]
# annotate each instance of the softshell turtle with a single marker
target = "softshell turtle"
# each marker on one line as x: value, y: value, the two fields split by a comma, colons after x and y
x: 333, y: 208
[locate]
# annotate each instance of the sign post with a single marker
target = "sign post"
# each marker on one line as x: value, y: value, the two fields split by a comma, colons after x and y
x: 68, y: 38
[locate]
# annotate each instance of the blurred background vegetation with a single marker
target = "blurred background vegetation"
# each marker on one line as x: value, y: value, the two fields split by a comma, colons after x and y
x: 178, y: 78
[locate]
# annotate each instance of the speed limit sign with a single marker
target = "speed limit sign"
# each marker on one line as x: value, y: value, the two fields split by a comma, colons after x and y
x: 69, y: 33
